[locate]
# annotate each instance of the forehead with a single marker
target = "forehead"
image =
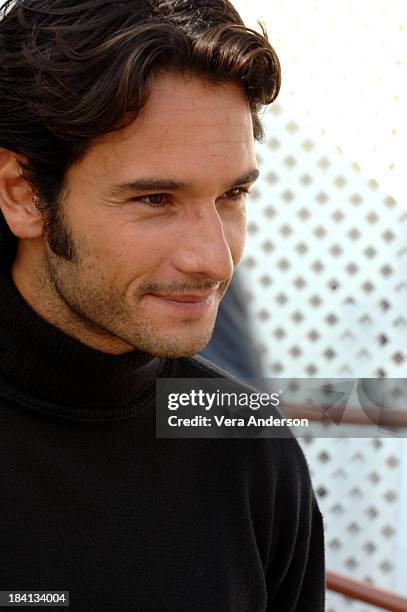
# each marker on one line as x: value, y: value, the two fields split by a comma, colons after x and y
x: 186, y: 120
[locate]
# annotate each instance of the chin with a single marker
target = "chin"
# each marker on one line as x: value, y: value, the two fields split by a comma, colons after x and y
x: 176, y: 348
x: 176, y: 352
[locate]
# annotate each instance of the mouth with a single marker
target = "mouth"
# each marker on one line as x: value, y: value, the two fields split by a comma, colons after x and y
x: 191, y: 303
x: 186, y: 298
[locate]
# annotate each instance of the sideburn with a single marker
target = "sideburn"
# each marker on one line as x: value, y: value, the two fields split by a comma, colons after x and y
x: 57, y: 234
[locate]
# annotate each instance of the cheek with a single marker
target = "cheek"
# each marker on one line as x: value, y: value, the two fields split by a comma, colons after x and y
x: 237, y: 248
x: 134, y: 252
x: 234, y: 228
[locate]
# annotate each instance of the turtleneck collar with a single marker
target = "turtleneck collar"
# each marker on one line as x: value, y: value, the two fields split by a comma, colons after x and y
x: 60, y: 374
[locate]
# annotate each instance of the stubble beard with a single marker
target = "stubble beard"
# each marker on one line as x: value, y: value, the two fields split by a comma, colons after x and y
x: 90, y: 310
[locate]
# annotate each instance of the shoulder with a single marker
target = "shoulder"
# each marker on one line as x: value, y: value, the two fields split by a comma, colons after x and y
x: 281, y: 461
x: 272, y: 471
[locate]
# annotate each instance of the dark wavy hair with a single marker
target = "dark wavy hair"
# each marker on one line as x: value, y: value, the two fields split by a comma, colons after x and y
x: 70, y: 70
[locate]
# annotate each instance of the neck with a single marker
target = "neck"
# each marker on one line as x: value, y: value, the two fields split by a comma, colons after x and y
x: 45, y: 363
x: 37, y: 290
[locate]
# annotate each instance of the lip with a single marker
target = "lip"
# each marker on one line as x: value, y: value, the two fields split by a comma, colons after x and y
x: 187, y: 303
x: 187, y: 298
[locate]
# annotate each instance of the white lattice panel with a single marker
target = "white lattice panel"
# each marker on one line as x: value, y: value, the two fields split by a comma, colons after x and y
x: 326, y: 254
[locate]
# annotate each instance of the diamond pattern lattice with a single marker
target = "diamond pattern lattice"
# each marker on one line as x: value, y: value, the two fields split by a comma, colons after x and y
x: 326, y: 253
x: 324, y: 267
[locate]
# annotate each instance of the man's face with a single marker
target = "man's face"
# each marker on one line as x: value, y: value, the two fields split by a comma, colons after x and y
x: 151, y: 263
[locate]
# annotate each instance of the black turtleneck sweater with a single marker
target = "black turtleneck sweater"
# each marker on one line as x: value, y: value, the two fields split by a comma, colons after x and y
x: 93, y: 503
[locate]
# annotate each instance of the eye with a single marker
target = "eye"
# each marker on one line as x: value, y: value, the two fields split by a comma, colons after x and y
x: 238, y: 193
x: 159, y: 200
x: 155, y: 200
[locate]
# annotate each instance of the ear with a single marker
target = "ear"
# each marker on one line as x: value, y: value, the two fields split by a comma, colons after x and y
x: 17, y: 200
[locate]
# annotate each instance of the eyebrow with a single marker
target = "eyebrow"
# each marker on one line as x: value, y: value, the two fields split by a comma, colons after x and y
x: 152, y: 183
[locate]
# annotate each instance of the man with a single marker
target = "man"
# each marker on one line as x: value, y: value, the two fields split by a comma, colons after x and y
x: 127, y: 149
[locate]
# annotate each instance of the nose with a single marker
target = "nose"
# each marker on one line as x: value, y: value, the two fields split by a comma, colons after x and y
x: 203, y: 247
